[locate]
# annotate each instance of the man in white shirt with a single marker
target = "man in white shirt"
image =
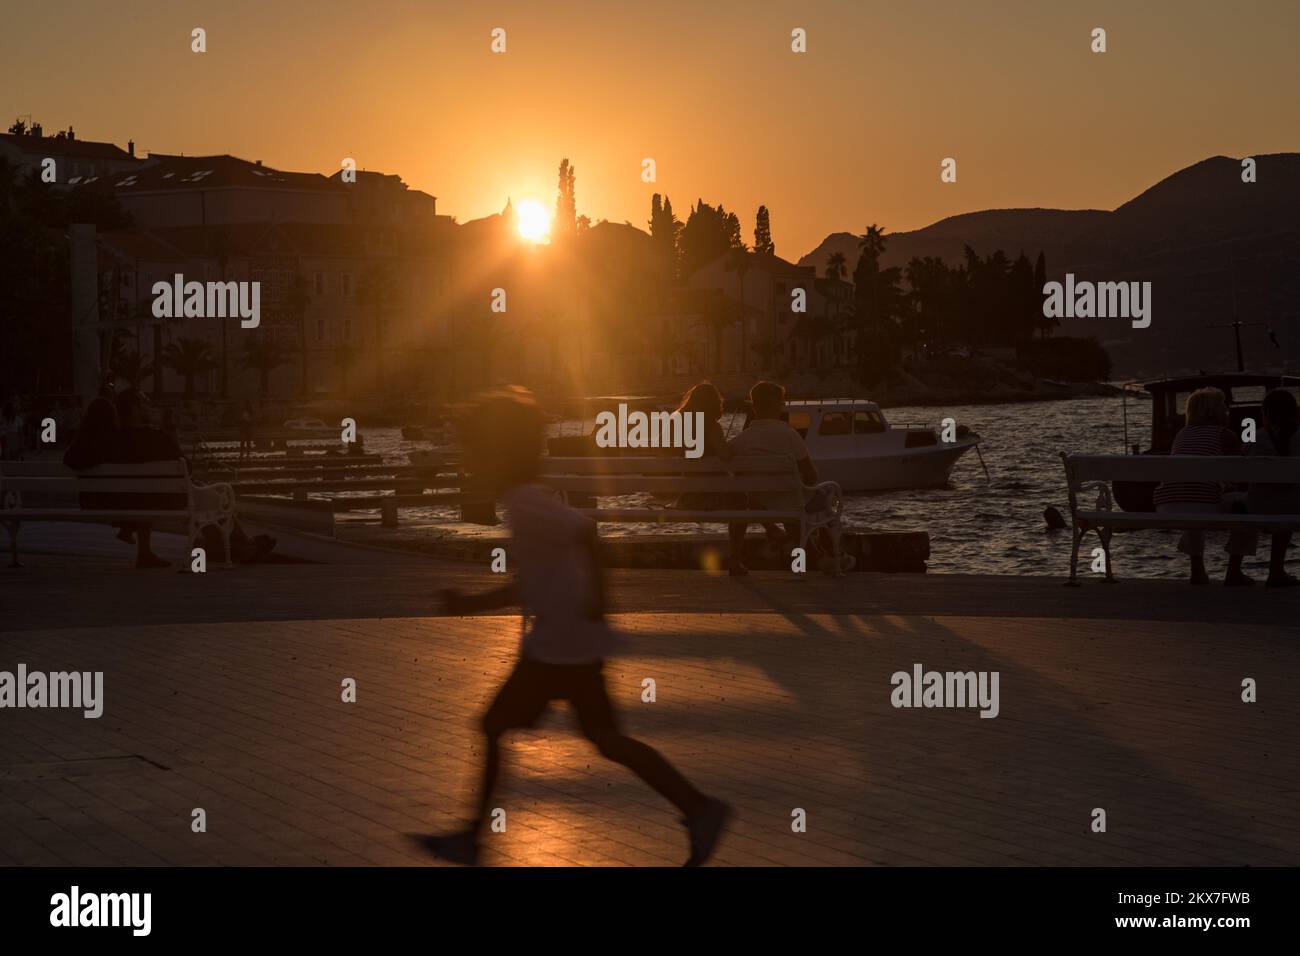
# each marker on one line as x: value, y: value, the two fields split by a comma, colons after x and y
x: 767, y: 434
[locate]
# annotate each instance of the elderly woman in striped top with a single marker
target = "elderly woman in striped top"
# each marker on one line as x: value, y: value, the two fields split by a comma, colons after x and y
x: 1207, y: 433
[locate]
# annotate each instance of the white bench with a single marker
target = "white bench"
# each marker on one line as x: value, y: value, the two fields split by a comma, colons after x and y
x: 582, y: 480
x: 53, y: 493
x: 1084, y: 473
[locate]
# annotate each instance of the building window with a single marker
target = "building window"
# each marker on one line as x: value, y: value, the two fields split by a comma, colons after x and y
x: 320, y: 283
x: 320, y: 330
x: 345, y: 284
x: 347, y: 330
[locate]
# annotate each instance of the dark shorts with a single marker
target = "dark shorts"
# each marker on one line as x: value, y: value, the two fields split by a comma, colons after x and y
x: 534, y: 684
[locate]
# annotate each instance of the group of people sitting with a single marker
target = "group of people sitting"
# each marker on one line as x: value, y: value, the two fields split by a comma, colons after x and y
x: 768, y: 434
x: 120, y: 432
x: 1207, y: 433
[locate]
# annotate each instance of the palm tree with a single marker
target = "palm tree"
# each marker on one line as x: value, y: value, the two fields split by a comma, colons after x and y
x: 129, y: 366
x: 873, y: 241
x: 189, y: 358
x: 264, y: 356
x: 872, y: 245
x: 836, y: 266
x: 738, y: 262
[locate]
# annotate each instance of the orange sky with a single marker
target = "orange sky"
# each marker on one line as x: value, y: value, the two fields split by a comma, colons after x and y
x: 851, y: 132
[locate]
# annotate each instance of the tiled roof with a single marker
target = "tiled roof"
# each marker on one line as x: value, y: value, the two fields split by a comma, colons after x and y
x: 66, y: 147
x: 171, y: 173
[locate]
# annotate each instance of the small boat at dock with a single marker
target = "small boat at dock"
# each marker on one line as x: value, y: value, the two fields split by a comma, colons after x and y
x: 851, y: 443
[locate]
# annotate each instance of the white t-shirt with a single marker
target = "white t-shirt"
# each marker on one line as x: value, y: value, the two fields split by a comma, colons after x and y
x: 555, y: 578
x: 771, y: 436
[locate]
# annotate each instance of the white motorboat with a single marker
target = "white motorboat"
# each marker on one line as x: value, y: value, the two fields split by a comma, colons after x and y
x: 851, y: 443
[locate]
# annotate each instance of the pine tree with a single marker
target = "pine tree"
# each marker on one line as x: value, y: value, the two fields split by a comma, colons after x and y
x: 566, y: 207
x: 763, y: 233
x: 1040, y: 280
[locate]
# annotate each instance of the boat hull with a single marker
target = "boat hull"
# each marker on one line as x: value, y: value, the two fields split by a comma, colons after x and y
x: 913, y: 468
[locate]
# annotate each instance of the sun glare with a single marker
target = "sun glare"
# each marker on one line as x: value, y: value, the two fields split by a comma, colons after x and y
x: 534, y: 220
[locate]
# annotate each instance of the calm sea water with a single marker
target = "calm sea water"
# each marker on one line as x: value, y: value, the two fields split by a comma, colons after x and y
x: 979, y: 525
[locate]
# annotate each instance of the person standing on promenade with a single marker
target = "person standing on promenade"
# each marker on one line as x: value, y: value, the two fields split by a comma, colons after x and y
x: 558, y: 582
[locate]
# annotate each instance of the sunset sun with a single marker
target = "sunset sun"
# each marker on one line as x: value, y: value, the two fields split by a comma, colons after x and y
x: 534, y: 221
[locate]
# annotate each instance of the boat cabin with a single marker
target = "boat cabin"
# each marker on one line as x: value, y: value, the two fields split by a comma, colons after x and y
x: 819, y: 420
x: 1245, y: 392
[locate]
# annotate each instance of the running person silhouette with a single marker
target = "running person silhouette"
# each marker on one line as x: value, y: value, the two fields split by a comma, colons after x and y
x: 558, y: 581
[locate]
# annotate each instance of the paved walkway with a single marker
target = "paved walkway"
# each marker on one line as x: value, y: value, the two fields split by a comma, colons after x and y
x: 223, y: 692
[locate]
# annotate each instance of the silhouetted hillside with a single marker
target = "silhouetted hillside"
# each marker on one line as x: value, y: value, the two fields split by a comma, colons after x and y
x: 1198, y: 236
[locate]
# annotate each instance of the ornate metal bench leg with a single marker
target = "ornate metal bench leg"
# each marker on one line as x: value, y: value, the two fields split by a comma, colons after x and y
x: 1105, y: 548
x: 1074, y: 558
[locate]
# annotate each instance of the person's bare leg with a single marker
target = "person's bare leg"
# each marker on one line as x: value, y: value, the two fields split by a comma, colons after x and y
x: 1277, y: 576
x: 1235, y: 577
x: 518, y: 703
x: 703, y: 816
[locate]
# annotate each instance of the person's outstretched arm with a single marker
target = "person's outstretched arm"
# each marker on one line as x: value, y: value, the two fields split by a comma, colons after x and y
x: 455, y: 601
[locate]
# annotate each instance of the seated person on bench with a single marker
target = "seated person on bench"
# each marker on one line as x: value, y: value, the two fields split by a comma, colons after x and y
x: 123, y: 436
x: 1277, y: 438
x: 705, y: 398
x: 1206, y: 433
x: 100, y: 441
x: 767, y: 434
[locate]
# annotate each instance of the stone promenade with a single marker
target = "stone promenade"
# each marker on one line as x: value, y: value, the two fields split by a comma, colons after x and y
x: 222, y: 692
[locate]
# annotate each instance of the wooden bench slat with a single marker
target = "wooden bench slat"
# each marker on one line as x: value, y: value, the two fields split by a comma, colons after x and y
x: 1125, y: 519
x: 666, y: 515
x: 55, y: 469
x: 611, y: 485
x: 89, y: 516
x: 664, y: 465
x: 1148, y: 468
x: 342, y: 484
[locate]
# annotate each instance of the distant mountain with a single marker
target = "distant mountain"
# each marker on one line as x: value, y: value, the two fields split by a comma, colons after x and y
x: 1201, y: 237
